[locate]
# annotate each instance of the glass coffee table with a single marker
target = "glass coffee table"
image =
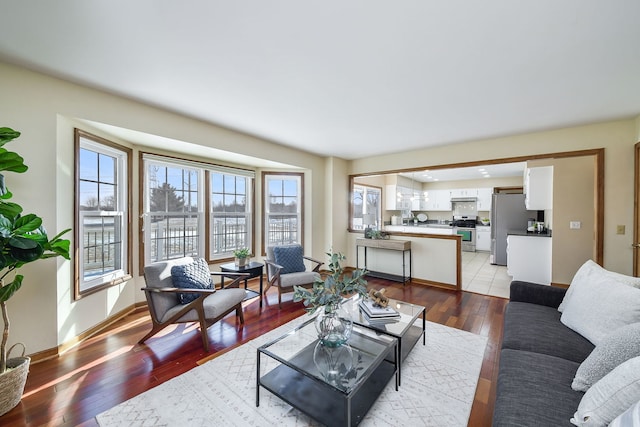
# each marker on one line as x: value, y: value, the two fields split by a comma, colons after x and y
x: 335, y: 386
x: 407, y: 329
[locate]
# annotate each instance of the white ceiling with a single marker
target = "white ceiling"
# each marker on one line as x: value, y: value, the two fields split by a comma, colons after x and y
x: 346, y: 78
x: 502, y: 170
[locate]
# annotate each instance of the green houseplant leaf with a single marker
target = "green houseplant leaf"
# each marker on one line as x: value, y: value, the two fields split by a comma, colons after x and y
x: 7, y: 291
x: 10, y: 161
x: 10, y: 209
x: 7, y: 134
x: 330, y: 291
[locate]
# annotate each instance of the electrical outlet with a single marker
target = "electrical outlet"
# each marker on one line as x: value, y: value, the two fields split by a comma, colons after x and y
x: 575, y: 225
x: 620, y: 229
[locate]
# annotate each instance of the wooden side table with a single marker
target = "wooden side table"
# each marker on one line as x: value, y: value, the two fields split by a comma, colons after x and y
x: 254, y: 269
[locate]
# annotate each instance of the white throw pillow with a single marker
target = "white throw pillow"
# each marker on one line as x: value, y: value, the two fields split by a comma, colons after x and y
x: 616, y: 348
x: 629, y: 418
x: 597, y: 308
x: 590, y: 271
x: 611, y: 396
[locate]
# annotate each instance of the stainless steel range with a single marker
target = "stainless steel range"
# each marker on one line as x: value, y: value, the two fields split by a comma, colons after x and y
x: 465, y: 225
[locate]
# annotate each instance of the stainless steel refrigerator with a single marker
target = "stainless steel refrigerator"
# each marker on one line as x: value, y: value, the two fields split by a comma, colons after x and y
x: 507, y: 213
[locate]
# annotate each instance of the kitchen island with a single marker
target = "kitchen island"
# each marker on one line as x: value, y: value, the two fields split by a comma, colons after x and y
x: 436, y: 257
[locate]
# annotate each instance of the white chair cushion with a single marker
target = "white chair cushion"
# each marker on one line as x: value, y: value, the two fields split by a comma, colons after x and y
x: 214, y: 305
x: 297, y: 279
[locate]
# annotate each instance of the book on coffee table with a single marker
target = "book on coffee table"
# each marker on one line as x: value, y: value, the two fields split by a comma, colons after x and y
x: 376, y: 312
x: 380, y: 320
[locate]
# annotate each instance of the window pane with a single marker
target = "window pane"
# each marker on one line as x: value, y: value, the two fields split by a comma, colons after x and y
x: 290, y: 188
x: 88, y: 196
x: 173, y: 236
x: 107, y: 168
x: 88, y: 163
x: 107, y: 197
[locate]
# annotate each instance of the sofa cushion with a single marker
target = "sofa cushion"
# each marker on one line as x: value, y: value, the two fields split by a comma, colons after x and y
x: 629, y: 418
x: 535, y: 293
x: 537, y: 328
x: 597, y: 308
x: 611, y: 396
x: 195, y: 275
x: 590, y: 272
x: 616, y: 348
x: 534, y: 390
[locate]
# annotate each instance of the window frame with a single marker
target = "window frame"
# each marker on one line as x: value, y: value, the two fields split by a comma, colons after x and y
x: 378, y: 219
x: 170, y: 163
x: 86, y: 140
x: 249, y: 213
x: 298, y: 176
x: 205, y: 170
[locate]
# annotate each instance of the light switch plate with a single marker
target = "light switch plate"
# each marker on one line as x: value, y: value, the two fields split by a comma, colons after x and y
x: 575, y: 225
x: 620, y: 229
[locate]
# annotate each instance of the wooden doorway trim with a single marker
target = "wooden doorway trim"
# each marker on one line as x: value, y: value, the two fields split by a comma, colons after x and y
x: 636, y: 212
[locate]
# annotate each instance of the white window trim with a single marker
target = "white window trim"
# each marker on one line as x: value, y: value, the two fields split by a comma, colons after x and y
x: 121, y: 156
x: 148, y: 160
x: 267, y: 214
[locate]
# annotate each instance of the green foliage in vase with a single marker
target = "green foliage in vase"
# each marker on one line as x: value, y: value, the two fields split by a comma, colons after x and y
x: 23, y: 239
x: 331, y: 291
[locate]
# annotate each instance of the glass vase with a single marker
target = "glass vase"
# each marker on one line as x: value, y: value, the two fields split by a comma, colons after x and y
x: 333, y: 325
x: 334, y: 363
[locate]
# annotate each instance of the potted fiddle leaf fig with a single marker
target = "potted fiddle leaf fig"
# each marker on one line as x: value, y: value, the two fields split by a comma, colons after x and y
x: 23, y: 240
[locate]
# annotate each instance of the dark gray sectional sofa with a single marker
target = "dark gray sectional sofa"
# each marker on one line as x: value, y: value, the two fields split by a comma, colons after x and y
x: 538, y: 360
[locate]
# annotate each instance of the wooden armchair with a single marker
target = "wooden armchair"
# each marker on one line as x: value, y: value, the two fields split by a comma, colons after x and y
x: 286, y: 269
x: 209, y: 306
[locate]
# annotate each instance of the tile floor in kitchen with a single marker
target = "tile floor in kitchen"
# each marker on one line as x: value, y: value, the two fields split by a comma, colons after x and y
x: 481, y: 277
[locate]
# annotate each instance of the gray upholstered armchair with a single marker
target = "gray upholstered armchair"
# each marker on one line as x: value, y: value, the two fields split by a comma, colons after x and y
x: 169, y: 304
x: 286, y: 268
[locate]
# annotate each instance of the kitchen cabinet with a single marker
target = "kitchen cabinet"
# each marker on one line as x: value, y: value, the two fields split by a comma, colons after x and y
x: 397, y: 198
x: 483, y: 238
x: 416, y: 201
x: 538, y: 188
x: 529, y: 258
x: 437, y: 200
x: 463, y: 192
x: 484, y: 199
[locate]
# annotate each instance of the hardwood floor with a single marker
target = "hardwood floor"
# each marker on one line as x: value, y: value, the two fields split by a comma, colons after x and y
x: 112, y: 367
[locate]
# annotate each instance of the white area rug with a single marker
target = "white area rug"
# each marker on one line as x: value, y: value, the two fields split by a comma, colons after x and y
x: 438, y: 385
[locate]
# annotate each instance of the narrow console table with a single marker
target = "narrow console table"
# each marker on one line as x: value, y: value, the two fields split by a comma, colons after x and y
x: 391, y: 245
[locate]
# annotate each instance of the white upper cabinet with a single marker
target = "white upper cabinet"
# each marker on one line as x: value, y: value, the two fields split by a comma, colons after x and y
x: 397, y: 198
x: 484, y: 199
x: 538, y: 188
x: 437, y: 200
x: 464, y: 192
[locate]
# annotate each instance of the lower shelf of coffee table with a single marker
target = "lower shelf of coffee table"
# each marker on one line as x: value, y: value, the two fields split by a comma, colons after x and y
x: 323, y: 402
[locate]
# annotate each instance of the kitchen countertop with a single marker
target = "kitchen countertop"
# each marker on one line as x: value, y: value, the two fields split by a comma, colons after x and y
x: 528, y: 233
